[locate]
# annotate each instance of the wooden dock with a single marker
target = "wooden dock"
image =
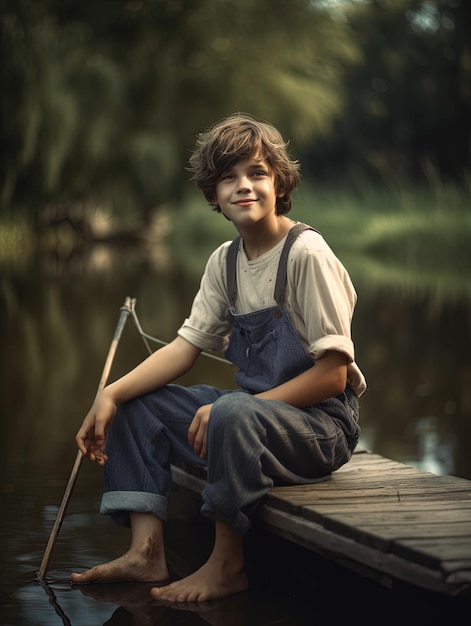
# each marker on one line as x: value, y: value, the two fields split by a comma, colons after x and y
x: 381, y: 518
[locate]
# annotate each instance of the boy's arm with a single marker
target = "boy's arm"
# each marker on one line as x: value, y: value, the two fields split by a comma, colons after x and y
x: 326, y: 379
x: 162, y: 367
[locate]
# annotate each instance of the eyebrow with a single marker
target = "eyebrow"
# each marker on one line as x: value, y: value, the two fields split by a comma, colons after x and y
x: 253, y: 164
x: 259, y: 163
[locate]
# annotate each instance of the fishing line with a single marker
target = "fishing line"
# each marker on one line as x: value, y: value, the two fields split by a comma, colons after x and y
x: 146, y: 337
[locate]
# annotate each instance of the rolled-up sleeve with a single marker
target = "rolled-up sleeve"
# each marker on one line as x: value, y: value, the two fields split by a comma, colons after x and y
x: 209, y: 324
x: 322, y: 299
x: 325, y: 298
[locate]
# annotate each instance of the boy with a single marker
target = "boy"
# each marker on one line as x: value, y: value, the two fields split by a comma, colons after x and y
x: 280, y: 303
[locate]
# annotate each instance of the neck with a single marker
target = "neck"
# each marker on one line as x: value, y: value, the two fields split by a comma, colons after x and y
x: 260, y: 238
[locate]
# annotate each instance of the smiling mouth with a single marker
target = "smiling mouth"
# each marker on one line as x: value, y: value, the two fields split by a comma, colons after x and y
x: 245, y: 201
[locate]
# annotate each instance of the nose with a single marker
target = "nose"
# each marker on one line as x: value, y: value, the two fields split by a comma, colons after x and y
x: 243, y: 184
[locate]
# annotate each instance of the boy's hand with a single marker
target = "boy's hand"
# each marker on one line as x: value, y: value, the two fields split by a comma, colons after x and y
x: 92, y: 434
x: 198, y: 430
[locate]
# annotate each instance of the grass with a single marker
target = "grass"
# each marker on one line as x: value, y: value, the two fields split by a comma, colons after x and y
x: 396, y: 235
x: 411, y: 226
x: 383, y: 224
x: 415, y: 240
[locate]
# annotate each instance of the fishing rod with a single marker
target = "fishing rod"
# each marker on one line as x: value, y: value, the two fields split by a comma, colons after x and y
x: 125, y: 310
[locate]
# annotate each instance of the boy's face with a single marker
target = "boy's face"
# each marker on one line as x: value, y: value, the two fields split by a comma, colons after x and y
x: 246, y: 192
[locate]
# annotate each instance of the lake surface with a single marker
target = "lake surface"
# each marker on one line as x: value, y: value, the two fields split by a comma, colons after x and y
x: 412, y: 335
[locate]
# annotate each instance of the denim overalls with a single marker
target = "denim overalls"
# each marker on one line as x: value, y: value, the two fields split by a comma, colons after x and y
x: 253, y: 443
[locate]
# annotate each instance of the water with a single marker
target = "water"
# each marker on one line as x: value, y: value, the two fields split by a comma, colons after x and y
x: 289, y: 587
x: 57, y: 323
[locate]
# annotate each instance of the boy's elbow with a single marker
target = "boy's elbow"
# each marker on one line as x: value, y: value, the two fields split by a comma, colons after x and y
x: 334, y: 381
x: 334, y: 369
x: 338, y: 383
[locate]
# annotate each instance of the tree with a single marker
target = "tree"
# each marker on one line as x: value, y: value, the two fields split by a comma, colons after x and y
x: 409, y: 104
x: 103, y: 99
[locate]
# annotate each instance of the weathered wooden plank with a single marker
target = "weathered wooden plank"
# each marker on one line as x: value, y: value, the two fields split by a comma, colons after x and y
x: 296, y: 503
x: 373, y: 462
x: 291, y: 499
x: 388, y: 515
x: 432, y: 552
x: 373, y: 456
x: 395, y: 485
x: 457, y: 566
x: 383, y: 536
x: 379, y: 517
x: 376, y: 474
x: 428, y: 507
x: 383, y: 567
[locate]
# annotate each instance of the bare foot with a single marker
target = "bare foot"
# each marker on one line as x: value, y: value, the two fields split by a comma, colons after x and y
x: 215, y: 579
x: 132, y: 566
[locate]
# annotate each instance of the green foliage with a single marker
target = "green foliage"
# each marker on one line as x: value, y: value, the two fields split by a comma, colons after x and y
x: 409, y: 102
x: 17, y: 243
x: 388, y: 236
x: 376, y: 214
x: 69, y: 105
x: 101, y: 101
x: 403, y: 238
x: 99, y: 92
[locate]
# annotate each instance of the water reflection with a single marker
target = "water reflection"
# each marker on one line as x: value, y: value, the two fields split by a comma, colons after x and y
x: 57, y: 320
x: 412, y: 342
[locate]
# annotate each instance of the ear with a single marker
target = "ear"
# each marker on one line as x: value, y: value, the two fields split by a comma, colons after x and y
x: 212, y: 200
x: 280, y: 190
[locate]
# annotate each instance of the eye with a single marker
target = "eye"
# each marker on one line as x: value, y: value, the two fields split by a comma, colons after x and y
x: 226, y: 177
x: 260, y: 173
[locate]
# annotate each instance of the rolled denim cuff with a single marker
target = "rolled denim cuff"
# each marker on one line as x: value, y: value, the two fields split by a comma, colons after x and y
x: 119, y: 504
x: 238, y: 522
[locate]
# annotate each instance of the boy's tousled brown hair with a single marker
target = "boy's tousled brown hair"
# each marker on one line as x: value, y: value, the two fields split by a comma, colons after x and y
x: 237, y: 137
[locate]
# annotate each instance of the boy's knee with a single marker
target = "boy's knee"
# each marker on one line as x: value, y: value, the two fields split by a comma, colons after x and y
x: 230, y: 405
x: 232, y: 412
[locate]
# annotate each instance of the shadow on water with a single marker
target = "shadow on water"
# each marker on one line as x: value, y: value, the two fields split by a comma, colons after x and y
x: 57, y: 320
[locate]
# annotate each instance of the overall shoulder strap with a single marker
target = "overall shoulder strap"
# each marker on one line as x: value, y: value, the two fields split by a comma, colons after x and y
x: 231, y: 265
x: 280, y: 285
